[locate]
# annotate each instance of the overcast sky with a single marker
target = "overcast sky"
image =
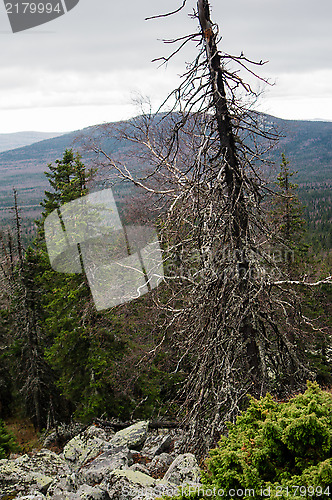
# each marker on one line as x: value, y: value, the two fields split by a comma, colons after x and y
x: 85, y: 67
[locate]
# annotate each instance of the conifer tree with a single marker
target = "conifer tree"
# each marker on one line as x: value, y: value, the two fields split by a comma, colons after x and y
x: 80, y: 344
x: 68, y: 179
x: 287, y: 217
x: 32, y: 376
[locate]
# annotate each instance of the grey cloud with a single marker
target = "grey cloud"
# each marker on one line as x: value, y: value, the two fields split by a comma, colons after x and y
x: 103, y: 34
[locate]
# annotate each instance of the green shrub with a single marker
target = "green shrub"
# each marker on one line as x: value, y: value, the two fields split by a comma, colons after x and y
x: 275, y: 450
x: 7, y: 441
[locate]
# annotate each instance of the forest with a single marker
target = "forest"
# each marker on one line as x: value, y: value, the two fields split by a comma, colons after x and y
x: 241, y: 320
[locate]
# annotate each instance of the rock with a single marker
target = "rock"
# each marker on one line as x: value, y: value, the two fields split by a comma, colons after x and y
x: 35, y: 495
x: 113, y: 458
x: 132, y: 437
x: 177, y: 436
x: 160, y: 464
x: 95, y: 468
x: 62, y: 434
x: 183, y: 470
x: 129, y: 484
x: 62, y: 486
x: 84, y: 492
x: 92, y: 493
x: 140, y: 468
x: 25, y: 473
x: 156, y: 444
x: 84, y: 447
x: 96, y: 432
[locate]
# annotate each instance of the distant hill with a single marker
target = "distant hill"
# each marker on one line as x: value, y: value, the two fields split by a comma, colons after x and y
x: 23, y: 169
x: 307, y: 144
x: 20, y: 139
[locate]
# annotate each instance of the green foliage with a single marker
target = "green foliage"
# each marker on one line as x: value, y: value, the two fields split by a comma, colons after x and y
x: 276, y: 447
x: 68, y: 179
x: 7, y: 441
x: 287, y: 215
x: 94, y: 356
x: 317, y: 201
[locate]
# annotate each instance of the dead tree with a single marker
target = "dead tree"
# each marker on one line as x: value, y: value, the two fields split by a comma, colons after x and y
x: 235, y: 322
x: 33, y: 376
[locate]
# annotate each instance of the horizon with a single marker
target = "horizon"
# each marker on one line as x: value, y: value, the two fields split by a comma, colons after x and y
x: 63, y: 132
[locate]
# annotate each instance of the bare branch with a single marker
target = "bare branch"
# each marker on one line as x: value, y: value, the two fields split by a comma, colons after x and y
x: 168, y: 13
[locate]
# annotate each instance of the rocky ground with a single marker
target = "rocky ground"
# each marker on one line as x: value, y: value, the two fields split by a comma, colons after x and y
x: 97, y: 464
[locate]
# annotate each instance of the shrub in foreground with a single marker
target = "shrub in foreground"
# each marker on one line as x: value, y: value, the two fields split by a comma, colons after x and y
x: 275, y: 450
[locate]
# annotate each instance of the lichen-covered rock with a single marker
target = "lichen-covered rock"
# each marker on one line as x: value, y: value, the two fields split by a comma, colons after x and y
x: 61, y: 486
x: 67, y: 488
x: 86, y: 492
x: 92, y: 467
x: 140, y: 468
x: 133, y: 437
x: 159, y: 465
x: 128, y: 484
x: 62, y: 434
x: 34, y: 495
x: 83, y: 448
x: 156, y: 443
x: 96, y: 432
x: 25, y: 473
x: 113, y: 458
x: 183, y: 470
x: 178, y: 439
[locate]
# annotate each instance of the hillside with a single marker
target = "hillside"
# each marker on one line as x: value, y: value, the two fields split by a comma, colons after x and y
x: 21, y: 139
x: 23, y: 169
x: 307, y: 144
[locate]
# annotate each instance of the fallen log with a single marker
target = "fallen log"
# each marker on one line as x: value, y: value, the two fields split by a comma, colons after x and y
x: 118, y: 426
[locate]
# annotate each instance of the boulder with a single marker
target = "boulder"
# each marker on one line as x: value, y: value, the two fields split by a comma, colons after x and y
x: 66, y: 488
x: 84, y: 492
x: 25, y: 473
x: 84, y: 447
x: 140, y: 467
x: 111, y: 459
x: 96, y: 432
x: 133, y: 437
x: 160, y: 465
x: 62, y: 434
x: 129, y: 484
x: 34, y: 495
x: 156, y: 443
x: 183, y: 470
x: 62, y: 486
x: 91, y: 493
x: 178, y: 441
x: 94, y: 467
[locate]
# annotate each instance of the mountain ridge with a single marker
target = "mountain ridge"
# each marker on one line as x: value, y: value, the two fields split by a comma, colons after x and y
x: 306, y: 144
x: 14, y: 140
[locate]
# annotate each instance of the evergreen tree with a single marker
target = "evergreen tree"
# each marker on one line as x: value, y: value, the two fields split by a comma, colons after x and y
x: 81, y: 346
x: 23, y: 350
x: 7, y: 441
x: 68, y: 178
x: 287, y: 217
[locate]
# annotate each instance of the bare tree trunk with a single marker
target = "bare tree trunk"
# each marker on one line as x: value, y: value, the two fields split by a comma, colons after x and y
x: 233, y: 177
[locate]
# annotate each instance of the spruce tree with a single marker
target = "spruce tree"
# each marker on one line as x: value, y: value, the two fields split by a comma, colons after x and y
x: 287, y: 218
x: 80, y: 343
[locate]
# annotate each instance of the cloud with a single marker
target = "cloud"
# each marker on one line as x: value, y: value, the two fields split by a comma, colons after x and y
x: 101, y: 51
